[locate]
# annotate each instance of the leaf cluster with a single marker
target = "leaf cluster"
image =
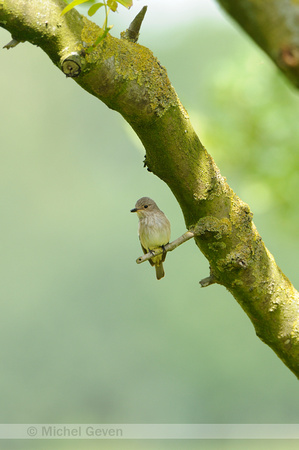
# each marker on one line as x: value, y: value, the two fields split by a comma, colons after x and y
x: 109, y: 5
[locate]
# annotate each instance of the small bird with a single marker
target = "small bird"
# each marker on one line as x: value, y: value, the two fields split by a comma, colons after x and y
x: 153, y: 230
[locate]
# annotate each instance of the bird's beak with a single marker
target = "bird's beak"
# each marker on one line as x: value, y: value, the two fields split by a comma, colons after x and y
x: 133, y: 210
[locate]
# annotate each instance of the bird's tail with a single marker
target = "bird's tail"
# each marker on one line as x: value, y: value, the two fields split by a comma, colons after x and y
x: 159, y: 271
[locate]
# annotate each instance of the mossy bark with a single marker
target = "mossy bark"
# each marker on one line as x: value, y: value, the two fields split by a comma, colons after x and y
x: 129, y: 79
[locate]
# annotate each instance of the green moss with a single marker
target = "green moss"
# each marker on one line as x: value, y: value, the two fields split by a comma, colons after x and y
x: 219, y: 227
x: 217, y: 246
x: 237, y: 283
x: 132, y: 63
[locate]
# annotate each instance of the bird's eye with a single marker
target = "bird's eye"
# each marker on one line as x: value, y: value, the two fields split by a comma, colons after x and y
x: 145, y: 206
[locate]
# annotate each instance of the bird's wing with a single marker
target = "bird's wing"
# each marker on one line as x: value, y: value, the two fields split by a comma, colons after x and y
x: 164, y: 255
x: 145, y: 251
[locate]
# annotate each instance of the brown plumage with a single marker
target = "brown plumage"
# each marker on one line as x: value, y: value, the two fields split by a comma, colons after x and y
x: 154, y: 231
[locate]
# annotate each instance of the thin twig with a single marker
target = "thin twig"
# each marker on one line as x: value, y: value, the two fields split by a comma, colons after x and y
x: 167, y: 248
x: 132, y: 33
x: 13, y: 43
x: 205, y: 282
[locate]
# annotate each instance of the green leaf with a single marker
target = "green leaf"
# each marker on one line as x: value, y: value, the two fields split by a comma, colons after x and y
x: 72, y: 5
x: 112, y: 5
x: 93, y: 9
x: 126, y: 3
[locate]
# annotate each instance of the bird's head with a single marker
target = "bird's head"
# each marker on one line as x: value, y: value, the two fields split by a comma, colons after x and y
x: 144, y: 206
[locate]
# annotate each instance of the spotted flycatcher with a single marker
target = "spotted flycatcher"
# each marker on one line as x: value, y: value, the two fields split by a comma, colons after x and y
x: 154, y: 231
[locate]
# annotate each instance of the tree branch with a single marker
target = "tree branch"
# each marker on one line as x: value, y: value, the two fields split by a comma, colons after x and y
x: 273, y: 25
x: 172, y: 246
x: 167, y: 248
x: 129, y: 79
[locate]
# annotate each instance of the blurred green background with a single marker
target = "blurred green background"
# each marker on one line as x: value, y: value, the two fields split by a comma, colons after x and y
x: 87, y: 335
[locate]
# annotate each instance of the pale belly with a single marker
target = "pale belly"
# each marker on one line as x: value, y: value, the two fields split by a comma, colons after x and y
x: 153, y: 233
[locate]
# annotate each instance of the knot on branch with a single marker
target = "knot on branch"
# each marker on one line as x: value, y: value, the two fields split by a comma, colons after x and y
x: 72, y: 65
x: 289, y: 56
